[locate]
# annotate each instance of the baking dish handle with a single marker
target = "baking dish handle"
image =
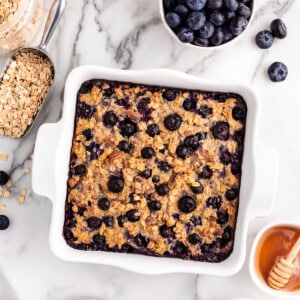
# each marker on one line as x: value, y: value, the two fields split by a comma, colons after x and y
x: 43, y: 170
x: 266, y: 181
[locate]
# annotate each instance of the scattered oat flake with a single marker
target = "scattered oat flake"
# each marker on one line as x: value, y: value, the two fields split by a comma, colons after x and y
x: 7, y: 9
x: 27, y: 170
x: 2, y: 207
x: 23, y: 192
x: 6, y: 194
x: 9, y: 183
x: 31, y: 156
x: 21, y: 199
x: 3, y: 156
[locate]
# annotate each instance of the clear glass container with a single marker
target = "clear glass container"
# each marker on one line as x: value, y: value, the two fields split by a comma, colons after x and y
x: 22, y: 27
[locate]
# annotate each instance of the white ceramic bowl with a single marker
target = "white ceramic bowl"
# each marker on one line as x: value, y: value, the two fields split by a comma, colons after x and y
x: 255, y: 274
x: 191, y: 46
x: 51, y: 162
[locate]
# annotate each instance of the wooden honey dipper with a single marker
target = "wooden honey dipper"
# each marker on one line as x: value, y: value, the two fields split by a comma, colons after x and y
x: 282, y: 271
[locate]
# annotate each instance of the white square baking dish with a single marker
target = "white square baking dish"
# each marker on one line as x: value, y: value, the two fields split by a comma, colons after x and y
x: 51, y: 164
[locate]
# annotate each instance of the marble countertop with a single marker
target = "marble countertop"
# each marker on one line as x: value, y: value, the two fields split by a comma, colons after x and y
x: 128, y: 34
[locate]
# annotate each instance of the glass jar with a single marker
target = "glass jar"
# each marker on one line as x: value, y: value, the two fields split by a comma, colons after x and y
x: 22, y: 27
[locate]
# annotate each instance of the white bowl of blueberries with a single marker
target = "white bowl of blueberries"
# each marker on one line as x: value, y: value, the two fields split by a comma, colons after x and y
x: 207, y: 23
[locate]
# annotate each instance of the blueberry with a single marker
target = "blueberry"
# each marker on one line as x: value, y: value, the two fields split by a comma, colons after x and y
x: 162, y: 189
x: 227, y: 35
x: 126, y: 248
x: 180, y: 249
x: 204, y: 111
x: 192, y: 141
x: 170, y: 95
x: 236, y: 169
x: 104, y: 203
x: 183, y: 152
x: 218, y: 37
x: 194, y: 239
x: 237, y: 25
x: 196, y: 20
x: 217, y: 18
x: 121, y: 220
x: 85, y: 111
x: 86, y: 87
x: 168, y: 4
x: 244, y: 10
x: 225, y: 157
x: 278, y: 29
x: 153, y: 130
x: 147, y: 152
x: 173, y: 122
x: 94, y: 223
x: 116, y: 184
x: 125, y: 146
x: 99, y: 240
x: 132, y: 215
x: 181, y: 10
x: 264, y: 39
x: 221, y: 131
x: 222, y: 217
x: 231, y: 194
x: 155, y: 179
x: 147, y: 173
x: 141, y: 241
x: 189, y: 104
x: 197, y: 189
x: 206, y: 173
x: 88, y: 134
x: 81, y: 211
x: 4, y: 177
x: 196, y: 4
x: 207, y: 30
x: 109, y: 221
x: 239, y: 113
x: 196, y: 220
x: 127, y: 127
x: 185, y: 35
x: 214, y: 4
x: 231, y: 5
x: 214, y: 202
x: 166, y: 232
x: 229, y: 15
x: 164, y: 166
x: 110, y: 119
x: 187, y: 204
x: 95, y: 150
x: 227, y: 235
x: 201, y: 42
x: 154, y: 205
x: 278, y: 72
x: 4, y: 222
x: 172, y: 19
x: 80, y: 170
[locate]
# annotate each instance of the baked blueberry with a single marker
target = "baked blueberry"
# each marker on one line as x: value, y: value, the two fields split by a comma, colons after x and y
x: 196, y: 20
x: 4, y: 222
x: 225, y: 157
x: 196, y: 4
x: 192, y: 141
x: 236, y: 168
x: 147, y: 173
x: 88, y: 134
x: 185, y: 35
x: 231, y: 194
x: 109, y: 221
x: 94, y: 223
x: 121, y: 220
x: 104, y: 203
x: 207, y: 30
x: 244, y: 10
x: 147, y: 152
x: 237, y: 25
x: 181, y: 10
x: 166, y: 232
x: 127, y: 127
x: 163, y: 166
x: 214, y: 202
x: 189, y: 104
x: 187, y: 204
x: 154, y: 205
x: 4, y: 178
x: 99, y: 240
x: 125, y: 146
x: 86, y: 87
x: 153, y: 130
x: 170, y: 95
x: 162, y: 189
x: 110, y: 119
x: 204, y: 111
x: 126, y: 248
x: 222, y: 217
x: 197, y: 189
x: 85, y: 111
x: 278, y: 72
x: 173, y: 122
x: 214, y: 4
x: 217, y: 18
x: 172, y: 19
x: 132, y: 215
x: 196, y: 220
x: 80, y: 170
x: 155, y: 179
x: 227, y: 235
x: 221, y: 130
x: 231, y: 5
x: 239, y: 113
x: 278, y: 29
x: 183, y: 151
x: 95, y: 150
x: 116, y: 184
x: 206, y: 173
x: 141, y: 241
x: 264, y: 39
x: 194, y: 239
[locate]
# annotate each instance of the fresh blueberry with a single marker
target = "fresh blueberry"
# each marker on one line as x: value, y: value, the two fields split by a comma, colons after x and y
x: 88, y: 134
x: 104, y: 203
x: 244, y: 10
x: 185, y: 35
x: 207, y: 30
x: 116, y: 184
x: 222, y: 217
x: 173, y: 122
x: 231, y: 5
x: 168, y: 4
x: 201, y: 42
x: 109, y: 221
x: 110, y: 119
x: 132, y: 215
x: 217, y: 37
x: 154, y: 205
x: 230, y: 15
x: 183, y: 152
x: 221, y: 131
x: 166, y: 232
x: 279, y: 29
x: 206, y: 173
x: 170, y: 95
x: 172, y: 19
x: 4, y: 222
x: 141, y: 241
x: 127, y: 127
x: 153, y: 130
x: 264, y: 39
x: 237, y: 25
x: 197, y: 189
x: 214, y: 202
x: 189, y: 104
x: 231, y: 194
x: 204, y: 111
x: 80, y: 170
x: 196, y: 20
x: 278, y: 72
x: 196, y: 4
x: 4, y: 177
x: 217, y: 18
x: 147, y: 152
x: 124, y: 146
x: 181, y: 10
x: 214, y: 4
x: 147, y: 173
x: 187, y: 204
x: 94, y: 223
x: 194, y: 239
x: 227, y: 35
x: 162, y: 189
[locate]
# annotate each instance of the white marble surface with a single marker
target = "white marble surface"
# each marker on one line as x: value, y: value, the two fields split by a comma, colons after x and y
x: 129, y: 34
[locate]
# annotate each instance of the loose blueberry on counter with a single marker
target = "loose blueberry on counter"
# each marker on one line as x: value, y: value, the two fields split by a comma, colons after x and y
x: 238, y: 25
x: 278, y: 72
x: 170, y: 95
x: 264, y: 39
x: 88, y: 134
x: 132, y: 215
x: 116, y: 184
x: 4, y: 222
x: 189, y: 104
x: 185, y: 35
x: 222, y: 217
x: 141, y: 241
x: 125, y: 146
x: 278, y: 29
x: 80, y: 170
x: 220, y: 131
x: 207, y: 30
x: 109, y: 221
x: 104, y: 203
x: 147, y: 173
x: 231, y: 5
x: 206, y: 173
x: 197, y: 189
x: 110, y: 119
x: 187, y: 204
x: 94, y: 223
x: 194, y: 239
x: 4, y: 178
x: 154, y: 205
x: 147, y: 152
x: 162, y: 189
x: 172, y: 19
x: 196, y: 4
x: 183, y: 151
x: 231, y: 194
x: 153, y: 130
x: 214, y: 202
x: 173, y: 122
x: 166, y: 232
x: 196, y: 20
x: 127, y: 127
